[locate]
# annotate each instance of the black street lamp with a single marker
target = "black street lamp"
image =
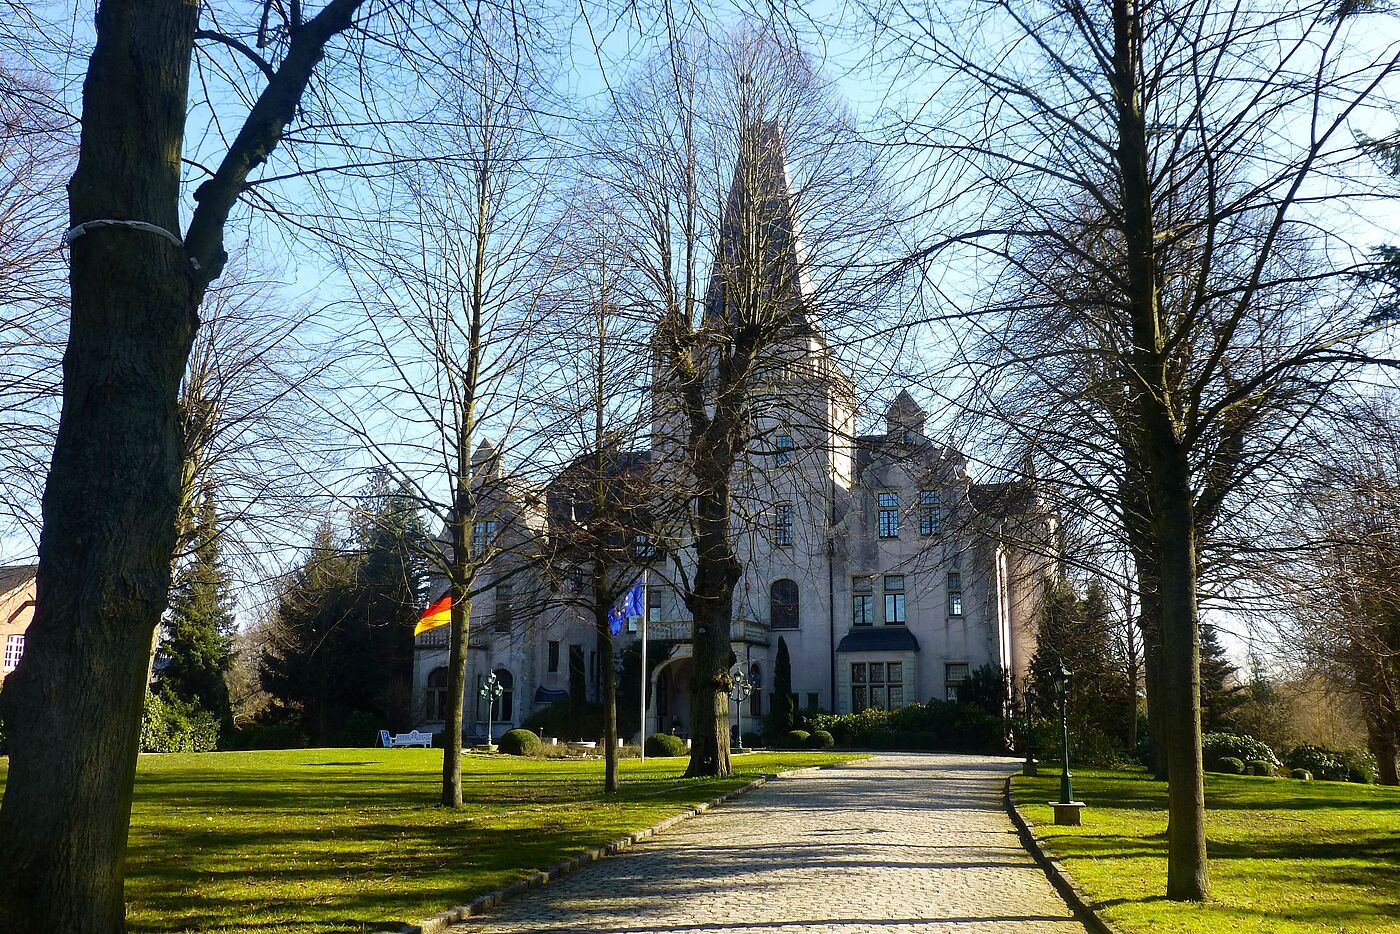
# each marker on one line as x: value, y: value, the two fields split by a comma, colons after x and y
x: 740, y: 691
x: 1029, y: 768
x: 1062, y: 685
x: 491, y: 691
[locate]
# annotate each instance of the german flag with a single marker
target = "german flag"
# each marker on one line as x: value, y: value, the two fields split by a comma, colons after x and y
x: 438, y: 613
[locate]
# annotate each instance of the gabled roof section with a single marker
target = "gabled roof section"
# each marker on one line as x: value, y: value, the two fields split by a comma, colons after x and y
x: 760, y: 232
x: 16, y: 576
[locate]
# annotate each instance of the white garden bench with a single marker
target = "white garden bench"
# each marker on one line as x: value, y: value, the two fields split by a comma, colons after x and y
x: 411, y: 738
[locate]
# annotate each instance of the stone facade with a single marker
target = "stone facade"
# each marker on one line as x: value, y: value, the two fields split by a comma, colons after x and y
x: 888, y: 573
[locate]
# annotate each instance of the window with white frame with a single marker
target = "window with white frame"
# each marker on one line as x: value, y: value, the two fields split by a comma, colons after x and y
x: 930, y: 512
x: 954, y: 674
x: 14, y: 651
x: 888, y: 514
x: 782, y: 524
x: 435, y: 699
x: 894, y: 600
x: 642, y: 547
x: 862, y: 601
x: 955, y: 592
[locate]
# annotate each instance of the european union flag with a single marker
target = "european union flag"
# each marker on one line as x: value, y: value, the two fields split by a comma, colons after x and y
x: 629, y: 605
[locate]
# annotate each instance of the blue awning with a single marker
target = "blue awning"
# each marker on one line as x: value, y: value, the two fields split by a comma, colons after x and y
x: 879, y: 639
x: 543, y: 696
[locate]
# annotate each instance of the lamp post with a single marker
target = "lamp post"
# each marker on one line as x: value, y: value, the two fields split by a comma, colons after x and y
x: 741, y: 688
x: 1062, y: 684
x: 1029, y: 768
x: 491, y: 691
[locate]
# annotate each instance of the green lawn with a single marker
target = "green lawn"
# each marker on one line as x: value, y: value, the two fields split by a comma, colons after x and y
x: 350, y: 839
x: 1286, y: 856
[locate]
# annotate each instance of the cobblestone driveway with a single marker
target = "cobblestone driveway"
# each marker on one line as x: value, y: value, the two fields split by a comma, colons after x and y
x: 898, y: 843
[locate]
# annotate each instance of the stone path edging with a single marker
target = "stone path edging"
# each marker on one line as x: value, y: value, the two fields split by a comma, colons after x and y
x: 444, y: 919
x: 1055, y: 871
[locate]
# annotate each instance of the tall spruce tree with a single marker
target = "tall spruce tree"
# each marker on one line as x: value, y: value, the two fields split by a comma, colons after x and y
x: 198, y: 645
x: 1221, y: 692
x: 342, y: 641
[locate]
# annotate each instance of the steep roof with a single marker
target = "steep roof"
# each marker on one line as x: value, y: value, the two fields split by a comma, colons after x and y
x: 16, y: 576
x: 760, y: 229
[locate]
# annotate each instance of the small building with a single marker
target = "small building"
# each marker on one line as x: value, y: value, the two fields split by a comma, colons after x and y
x: 16, y: 612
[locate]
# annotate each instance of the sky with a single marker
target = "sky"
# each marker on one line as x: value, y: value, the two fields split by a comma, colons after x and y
x: 597, y: 53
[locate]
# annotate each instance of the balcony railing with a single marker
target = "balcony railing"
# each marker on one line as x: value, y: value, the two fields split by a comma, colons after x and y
x: 682, y: 630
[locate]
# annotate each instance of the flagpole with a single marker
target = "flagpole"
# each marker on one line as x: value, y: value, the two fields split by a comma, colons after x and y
x: 646, y: 611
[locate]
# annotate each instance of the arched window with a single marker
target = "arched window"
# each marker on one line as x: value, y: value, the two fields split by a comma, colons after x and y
x: 756, y: 697
x: 435, y: 701
x: 505, y: 704
x: 782, y: 604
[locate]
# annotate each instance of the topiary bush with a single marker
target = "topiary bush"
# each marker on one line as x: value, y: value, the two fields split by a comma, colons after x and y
x: 796, y: 739
x: 752, y: 740
x: 1217, y: 746
x: 664, y: 744
x: 1259, y: 767
x: 1229, y: 765
x: 1326, y: 764
x: 519, y: 742
x: 820, y: 739
x: 1302, y: 775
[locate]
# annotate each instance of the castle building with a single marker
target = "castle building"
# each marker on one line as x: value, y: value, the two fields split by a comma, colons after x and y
x: 890, y: 575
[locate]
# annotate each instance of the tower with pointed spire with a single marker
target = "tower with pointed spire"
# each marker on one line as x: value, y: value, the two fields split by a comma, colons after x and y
x: 889, y: 573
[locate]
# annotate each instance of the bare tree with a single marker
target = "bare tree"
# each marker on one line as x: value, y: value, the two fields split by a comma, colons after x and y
x: 602, y: 505
x: 35, y: 153
x: 112, y: 496
x: 743, y: 260
x: 1179, y: 158
x: 450, y: 280
x: 1345, y: 581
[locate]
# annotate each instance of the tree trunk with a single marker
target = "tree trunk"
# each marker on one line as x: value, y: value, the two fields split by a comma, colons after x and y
x: 711, y: 604
x: 1380, y: 736
x: 458, y: 639
x: 609, y: 696
x: 73, y: 707
x: 1187, y: 874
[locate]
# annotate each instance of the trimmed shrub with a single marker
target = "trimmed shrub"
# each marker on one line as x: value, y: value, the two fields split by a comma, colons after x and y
x: 1302, y: 775
x: 752, y: 740
x: 1229, y: 765
x: 935, y: 725
x: 820, y: 739
x: 664, y: 744
x: 519, y: 742
x: 1217, y: 746
x: 796, y: 739
x: 1259, y: 767
x: 1326, y: 764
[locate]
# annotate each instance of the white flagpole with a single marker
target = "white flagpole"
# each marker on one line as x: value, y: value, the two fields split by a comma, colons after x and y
x: 646, y: 611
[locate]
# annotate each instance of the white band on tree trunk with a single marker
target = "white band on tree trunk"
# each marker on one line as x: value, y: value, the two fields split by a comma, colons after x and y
x: 87, y: 226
